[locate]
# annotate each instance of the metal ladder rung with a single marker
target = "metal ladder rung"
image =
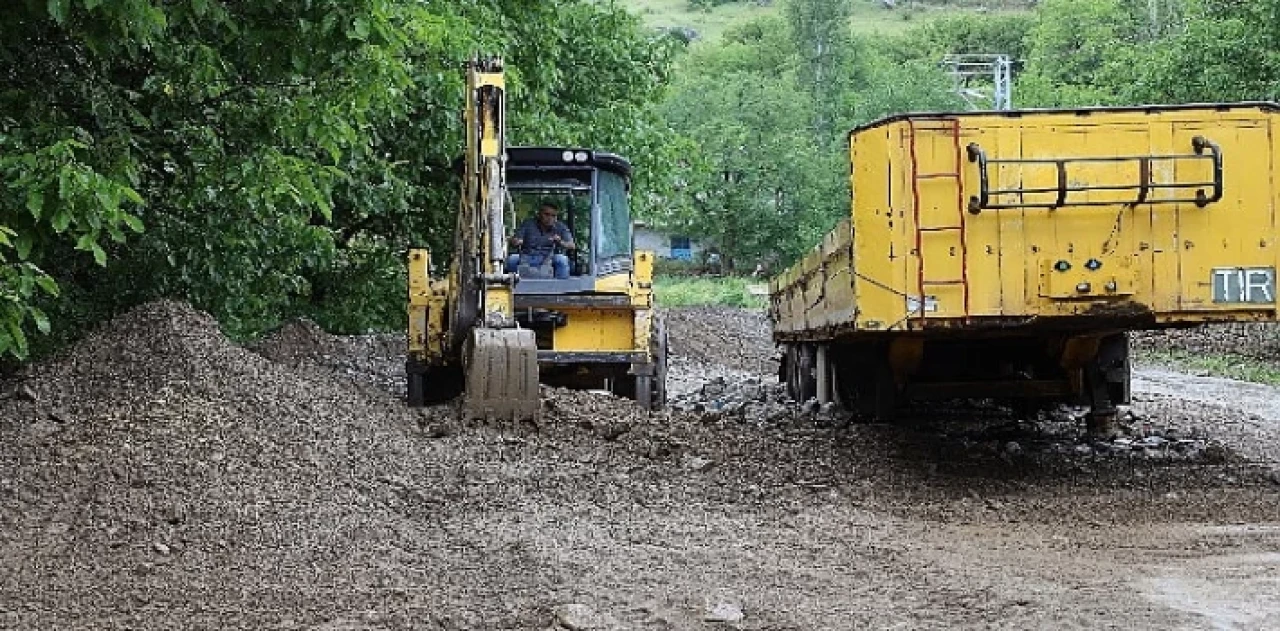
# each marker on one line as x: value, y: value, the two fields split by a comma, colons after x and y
x: 955, y: 180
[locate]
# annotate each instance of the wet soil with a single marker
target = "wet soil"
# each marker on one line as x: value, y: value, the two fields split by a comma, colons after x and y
x: 157, y: 476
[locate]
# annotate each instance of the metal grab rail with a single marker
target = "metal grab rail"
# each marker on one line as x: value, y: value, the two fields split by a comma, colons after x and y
x: 983, y: 200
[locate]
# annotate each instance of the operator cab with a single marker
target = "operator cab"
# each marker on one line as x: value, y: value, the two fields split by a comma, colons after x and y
x: 591, y: 190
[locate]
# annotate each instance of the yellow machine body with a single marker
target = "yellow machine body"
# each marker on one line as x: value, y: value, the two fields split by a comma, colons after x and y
x: 622, y: 329
x: 590, y: 329
x: 1054, y: 227
x: 621, y: 333
x: 918, y: 253
x: 491, y: 332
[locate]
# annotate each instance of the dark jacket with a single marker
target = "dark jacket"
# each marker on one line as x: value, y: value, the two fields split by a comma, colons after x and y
x: 538, y: 242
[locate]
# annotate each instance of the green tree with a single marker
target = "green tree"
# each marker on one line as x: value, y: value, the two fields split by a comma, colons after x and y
x: 1222, y: 51
x: 820, y: 32
x: 765, y: 182
x: 759, y: 186
x: 280, y: 155
x: 997, y: 33
x: 1072, y: 47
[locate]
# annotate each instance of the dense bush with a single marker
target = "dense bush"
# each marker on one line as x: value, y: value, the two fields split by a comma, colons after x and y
x: 265, y: 160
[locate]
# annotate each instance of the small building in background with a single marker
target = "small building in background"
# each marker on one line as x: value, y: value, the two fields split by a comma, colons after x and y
x: 668, y: 246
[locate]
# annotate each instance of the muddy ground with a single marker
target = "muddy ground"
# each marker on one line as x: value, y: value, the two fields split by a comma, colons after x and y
x: 157, y: 476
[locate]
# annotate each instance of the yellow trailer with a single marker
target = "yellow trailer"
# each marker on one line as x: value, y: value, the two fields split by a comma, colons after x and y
x: 1005, y: 254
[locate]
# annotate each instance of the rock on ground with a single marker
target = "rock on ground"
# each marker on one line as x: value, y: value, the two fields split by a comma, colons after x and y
x: 158, y: 476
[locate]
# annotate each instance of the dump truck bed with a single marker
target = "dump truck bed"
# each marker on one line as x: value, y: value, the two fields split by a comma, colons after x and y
x: 984, y: 222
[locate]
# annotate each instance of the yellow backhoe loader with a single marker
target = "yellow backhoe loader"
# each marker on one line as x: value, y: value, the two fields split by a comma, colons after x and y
x: 500, y: 322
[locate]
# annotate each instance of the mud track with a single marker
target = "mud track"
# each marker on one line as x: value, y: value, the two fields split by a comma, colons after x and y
x: 157, y: 476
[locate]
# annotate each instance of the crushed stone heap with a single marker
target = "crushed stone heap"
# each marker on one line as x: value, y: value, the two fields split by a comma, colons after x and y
x: 158, y: 467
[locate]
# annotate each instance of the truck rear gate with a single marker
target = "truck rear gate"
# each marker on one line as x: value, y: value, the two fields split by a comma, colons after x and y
x: 1006, y: 253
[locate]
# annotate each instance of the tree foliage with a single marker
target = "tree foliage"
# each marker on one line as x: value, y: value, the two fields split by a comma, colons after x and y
x: 1111, y: 52
x: 768, y: 107
x: 1218, y: 51
x: 967, y: 33
x: 820, y: 34
x: 769, y: 110
x: 271, y: 159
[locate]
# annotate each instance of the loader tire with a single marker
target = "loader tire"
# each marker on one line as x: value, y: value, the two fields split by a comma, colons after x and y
x: 648, y: 391
x: 658, y: 346
x: 416, y: 385
x: 432, y: 385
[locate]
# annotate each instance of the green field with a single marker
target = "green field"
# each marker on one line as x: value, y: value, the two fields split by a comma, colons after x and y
x: 1227, y: 366
x: 728, y: 291
x: 870, y: 16
x: 708, y: 24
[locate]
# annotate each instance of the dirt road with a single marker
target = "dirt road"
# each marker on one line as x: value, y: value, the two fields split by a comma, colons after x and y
x: 158, y: 477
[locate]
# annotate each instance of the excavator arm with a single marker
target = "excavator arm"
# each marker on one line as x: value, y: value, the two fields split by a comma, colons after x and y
x: 463, y: 332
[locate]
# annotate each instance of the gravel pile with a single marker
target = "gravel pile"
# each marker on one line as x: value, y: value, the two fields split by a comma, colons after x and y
x: 158, y: 476
x: 157, y: 472
x: 1060, y: 433
x: 753, y: 400
x: 375, y: 360
x: 737, y: 338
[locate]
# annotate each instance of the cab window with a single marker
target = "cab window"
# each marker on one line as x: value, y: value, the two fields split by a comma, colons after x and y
x: 615, y: 216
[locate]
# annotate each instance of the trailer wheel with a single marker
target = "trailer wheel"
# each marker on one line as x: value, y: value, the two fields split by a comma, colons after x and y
x: 799, y: 364
x: 784, y: 368
x: 1113, y: 357
x: 865, y: 385
x: 884, y: 406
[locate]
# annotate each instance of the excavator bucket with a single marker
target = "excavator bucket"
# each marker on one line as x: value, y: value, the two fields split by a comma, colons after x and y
x: 502, y: 375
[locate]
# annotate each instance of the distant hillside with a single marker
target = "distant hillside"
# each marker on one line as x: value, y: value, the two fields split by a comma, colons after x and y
x: 870, y: 16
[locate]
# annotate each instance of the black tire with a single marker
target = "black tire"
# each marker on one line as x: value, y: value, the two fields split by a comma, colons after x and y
x: 784, y: 367
x: 885, y: 405
x: 624, y: 386
x: 1117, y: 369
x: 865, y: 385
x: 659, y: 348
x: 806, y: 364
x: 628, y: 386
x: 798, y: 363
x: 434, y: 385
x: 417, y: 390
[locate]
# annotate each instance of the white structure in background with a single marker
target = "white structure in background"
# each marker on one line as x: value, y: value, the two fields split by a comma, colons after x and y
x: 668, y: 246
x: 984, y: 81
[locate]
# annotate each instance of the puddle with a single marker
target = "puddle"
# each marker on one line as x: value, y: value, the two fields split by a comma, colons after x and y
x: 1226, y: 592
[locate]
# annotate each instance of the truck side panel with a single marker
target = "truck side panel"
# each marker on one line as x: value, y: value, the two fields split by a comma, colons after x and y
x: 973, y: 222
